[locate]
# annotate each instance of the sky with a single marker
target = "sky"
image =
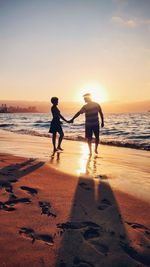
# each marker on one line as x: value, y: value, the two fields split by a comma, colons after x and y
x: 65, y: 48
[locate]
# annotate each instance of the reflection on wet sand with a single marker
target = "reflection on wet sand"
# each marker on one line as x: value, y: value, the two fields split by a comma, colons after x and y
x: 55, y: 158
x: 123, y: 170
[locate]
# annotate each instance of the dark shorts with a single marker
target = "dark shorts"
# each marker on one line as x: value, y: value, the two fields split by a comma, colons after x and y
x: 90, y: 130
x: 55, y: 128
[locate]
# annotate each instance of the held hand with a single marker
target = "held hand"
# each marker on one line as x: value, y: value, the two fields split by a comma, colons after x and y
x: 102, y: 124
x: 70, y: 121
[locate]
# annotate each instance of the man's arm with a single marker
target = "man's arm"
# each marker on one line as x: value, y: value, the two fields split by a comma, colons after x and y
x: 75, y: 116
x: 102, y: 116
x: 81, y: 111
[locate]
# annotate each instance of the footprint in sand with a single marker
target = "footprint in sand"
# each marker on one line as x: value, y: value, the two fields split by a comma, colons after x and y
x: 140, y: 227
x: 134, y: 251
x: 84, y: 186
x: 137, y: 225
x: 77, y: 225
x: 105, y: 203
x: 7, y: 185
x: 100, y: 247
x: 30, y: 233
x: 8, y: 205
x: 145, y: 259
x: 45, y: 209
x: 14, y: 200
x: 31, y: 191
x: 5, y: 207
x: 92, y: 235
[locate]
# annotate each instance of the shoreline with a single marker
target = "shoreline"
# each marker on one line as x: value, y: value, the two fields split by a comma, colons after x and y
x: 82, y: 139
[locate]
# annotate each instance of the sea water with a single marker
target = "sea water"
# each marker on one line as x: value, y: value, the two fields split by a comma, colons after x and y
x: 123, y: 129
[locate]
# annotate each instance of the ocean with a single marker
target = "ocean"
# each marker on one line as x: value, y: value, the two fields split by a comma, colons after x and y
x: 130, y: 130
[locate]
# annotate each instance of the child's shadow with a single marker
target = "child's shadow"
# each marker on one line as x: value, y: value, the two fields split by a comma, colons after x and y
x: 12, y: 173
x: 95, y: 234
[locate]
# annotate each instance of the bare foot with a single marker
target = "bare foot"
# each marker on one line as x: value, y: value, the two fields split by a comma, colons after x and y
x: 59, y: 148
x: 90, y: 153
x: 54, y: 151
x: 96, y: 152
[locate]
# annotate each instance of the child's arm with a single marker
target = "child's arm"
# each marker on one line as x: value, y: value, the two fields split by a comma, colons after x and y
x: 62, y: 118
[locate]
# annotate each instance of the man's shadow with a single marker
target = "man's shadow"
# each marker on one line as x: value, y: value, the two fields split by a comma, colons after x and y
x: 95, y: 234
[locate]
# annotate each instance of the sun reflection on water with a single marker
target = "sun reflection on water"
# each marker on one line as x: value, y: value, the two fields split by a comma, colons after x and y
x: 87, y: 163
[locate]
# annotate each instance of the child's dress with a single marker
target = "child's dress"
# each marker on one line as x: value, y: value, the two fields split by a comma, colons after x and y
x: 55, y: 125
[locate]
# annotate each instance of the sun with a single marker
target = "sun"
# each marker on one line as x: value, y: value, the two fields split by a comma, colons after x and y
x: 98, y: 93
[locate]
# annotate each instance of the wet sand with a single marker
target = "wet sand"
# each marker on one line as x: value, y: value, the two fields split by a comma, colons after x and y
x: 81, y: 218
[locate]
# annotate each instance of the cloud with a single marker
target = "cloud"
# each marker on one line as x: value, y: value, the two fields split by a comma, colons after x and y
x: 145, y: 22
x: 129, y: 23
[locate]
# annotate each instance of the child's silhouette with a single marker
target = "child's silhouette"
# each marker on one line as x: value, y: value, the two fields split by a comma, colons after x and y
x: 55, y: 126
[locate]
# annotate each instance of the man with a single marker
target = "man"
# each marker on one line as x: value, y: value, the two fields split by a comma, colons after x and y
x: 91, y: 110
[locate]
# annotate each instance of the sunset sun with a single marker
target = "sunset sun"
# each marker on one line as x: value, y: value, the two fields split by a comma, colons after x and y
x: 97, y: 92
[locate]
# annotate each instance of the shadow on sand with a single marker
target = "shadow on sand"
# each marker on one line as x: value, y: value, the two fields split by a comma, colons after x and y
x: 11, y: 174
x: 95, y: 234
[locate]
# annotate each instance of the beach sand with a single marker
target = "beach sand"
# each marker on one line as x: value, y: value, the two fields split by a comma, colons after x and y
x: 72, y: 210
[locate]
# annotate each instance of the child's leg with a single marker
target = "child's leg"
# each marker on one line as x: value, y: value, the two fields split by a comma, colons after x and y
x: 61, y: 135
x: 54, y: 141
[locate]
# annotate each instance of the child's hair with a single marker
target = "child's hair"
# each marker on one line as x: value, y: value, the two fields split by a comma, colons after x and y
x: 54, y: 100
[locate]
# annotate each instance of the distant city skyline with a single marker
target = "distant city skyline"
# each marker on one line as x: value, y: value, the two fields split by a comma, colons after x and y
x: 64, y: 48
x: 69, y: 107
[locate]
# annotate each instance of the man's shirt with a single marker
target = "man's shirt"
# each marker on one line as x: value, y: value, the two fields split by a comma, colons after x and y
x: 91, y: 111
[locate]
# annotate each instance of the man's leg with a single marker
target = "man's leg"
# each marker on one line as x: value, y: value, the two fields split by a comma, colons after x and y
x: 96, y: 133
x: 61, y: 135
x: 89, y: 141
x: 88, y: 135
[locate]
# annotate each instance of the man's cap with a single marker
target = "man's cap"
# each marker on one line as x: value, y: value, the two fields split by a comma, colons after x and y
x: 87, y: 95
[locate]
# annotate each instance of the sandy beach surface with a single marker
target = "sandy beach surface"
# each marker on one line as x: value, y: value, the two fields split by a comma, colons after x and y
x: 72, y: 210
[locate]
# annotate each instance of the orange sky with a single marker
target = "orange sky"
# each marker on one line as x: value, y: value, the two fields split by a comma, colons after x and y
x: 61, y: 48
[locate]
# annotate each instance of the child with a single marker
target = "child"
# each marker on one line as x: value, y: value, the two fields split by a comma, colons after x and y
x: 56, y: 125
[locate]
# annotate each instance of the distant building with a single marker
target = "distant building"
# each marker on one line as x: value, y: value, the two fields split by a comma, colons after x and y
x: 13, y: 109
x: 3, y: 108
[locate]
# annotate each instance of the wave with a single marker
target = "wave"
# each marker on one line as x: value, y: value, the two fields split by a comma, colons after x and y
x: 140, y: 137
x: 43, y: 124
x: 5, y: 125
x: 118, y: 143
x: 141, y: 146
x: 42, y: 121
x: 29, y: 132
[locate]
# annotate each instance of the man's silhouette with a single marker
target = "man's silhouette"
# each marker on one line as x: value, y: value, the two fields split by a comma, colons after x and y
x: 91, y: 110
